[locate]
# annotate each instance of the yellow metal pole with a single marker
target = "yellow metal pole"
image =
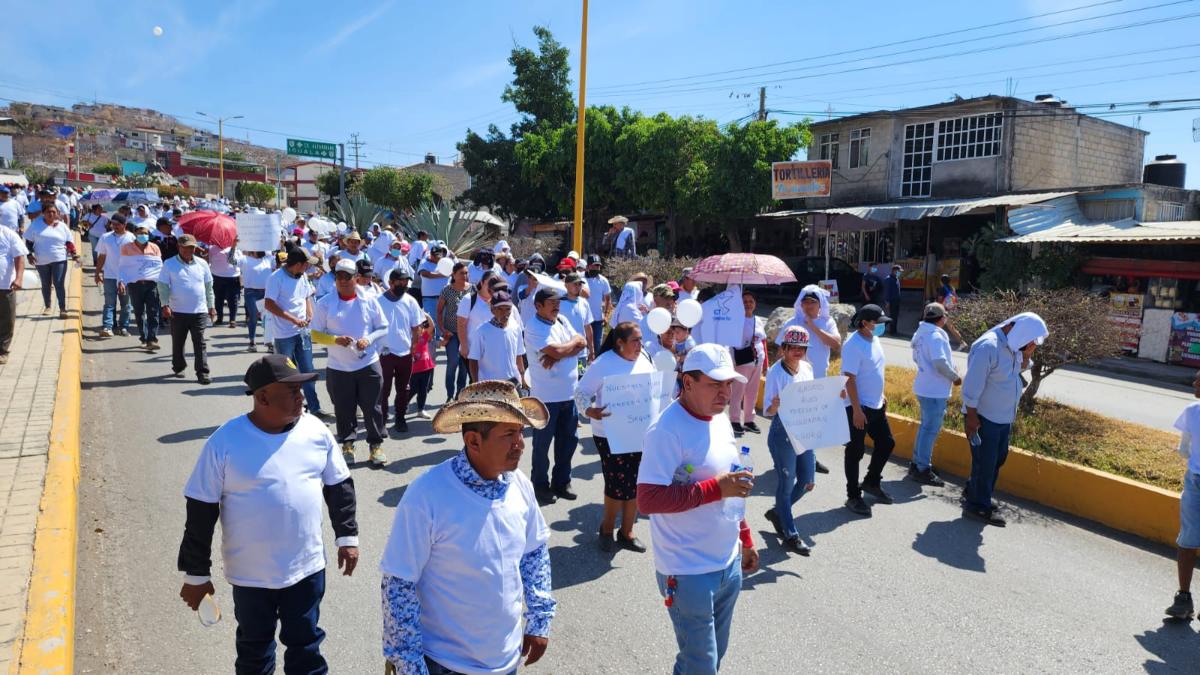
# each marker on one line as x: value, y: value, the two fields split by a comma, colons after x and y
x: 221, y: 156
x: 577, y: 238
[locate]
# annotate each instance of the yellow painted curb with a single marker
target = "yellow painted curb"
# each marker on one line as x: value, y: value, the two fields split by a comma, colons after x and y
x: 48, y: 641
x: 1120, y: 503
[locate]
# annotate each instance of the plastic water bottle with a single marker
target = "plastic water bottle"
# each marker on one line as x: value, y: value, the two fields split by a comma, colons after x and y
x: 734, y: 508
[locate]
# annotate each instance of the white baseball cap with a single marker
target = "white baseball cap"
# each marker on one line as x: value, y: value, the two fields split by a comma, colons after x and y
x: 345, y: 265
x: 714, y: 361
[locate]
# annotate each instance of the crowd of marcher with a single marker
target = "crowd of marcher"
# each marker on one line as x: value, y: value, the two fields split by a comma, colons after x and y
x: 527, y: 344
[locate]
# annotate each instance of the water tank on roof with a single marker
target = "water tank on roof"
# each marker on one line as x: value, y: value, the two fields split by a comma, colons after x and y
x: 1165, y: 170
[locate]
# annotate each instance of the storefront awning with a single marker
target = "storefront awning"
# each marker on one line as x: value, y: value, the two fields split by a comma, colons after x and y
x: 1062, y: 221
x: 916, y: 210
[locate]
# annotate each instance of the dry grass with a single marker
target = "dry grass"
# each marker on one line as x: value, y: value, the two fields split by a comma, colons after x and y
x: 1131, y: 450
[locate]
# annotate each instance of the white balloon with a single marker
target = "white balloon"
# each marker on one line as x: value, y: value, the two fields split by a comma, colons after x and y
x: 664, y: 361
x: 158, y: 31
x: 658, y: 320
x: 445, y: 266
x: 288, y: 215
x: 689, y: 312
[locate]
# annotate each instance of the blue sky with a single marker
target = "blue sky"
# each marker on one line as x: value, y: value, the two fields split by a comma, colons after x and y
x: 410, y: 77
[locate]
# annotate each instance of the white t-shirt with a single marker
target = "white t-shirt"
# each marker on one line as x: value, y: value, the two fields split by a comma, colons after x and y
x: 589, y: 393
x: 318, y: 249
x: 579, y: 313
x: 477, y: 313
x: 1189, y: 424
x: 356, y: 318
x: 558, y: 383
x: 929, y: 345
x: 344, y: 254
x: 10, y: 214
x: 417, y: 253
x: 386, y: 264
x: 778, y: 379
x: 12, y: 247
x: 109, y: 246
x: 699, y: 540
x: 431, y: 287
x: 497, y: 349
x: 598, y: 287
x: 188, y: 284
x: 50, y: 243
x: 818, y: 352
x: 863, y: 358
x: 290, y: 294
x: 403, y: 315
x: 463, y: 552
x: 255, y: 271
x: 269, y: 487
x: 218, y: 262
x: 624, y: 239
x: 97, y: 224
x: 475, y: 272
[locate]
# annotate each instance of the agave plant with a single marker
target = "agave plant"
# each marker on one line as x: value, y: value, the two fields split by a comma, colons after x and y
x: 456, y: 228
x: 357, y: 212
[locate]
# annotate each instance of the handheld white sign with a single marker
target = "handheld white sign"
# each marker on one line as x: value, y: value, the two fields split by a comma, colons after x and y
x: 814, y: 413
x: 634, y: 402
x: 259, y: 231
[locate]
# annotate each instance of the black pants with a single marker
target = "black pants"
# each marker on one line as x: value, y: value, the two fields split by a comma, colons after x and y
x: 296, y: 610
x: 881, y: 440
x: 8, y: 318
x: 352, y: 391
x: 420, y: 385
x: 893, y: 311
x: 226, y: 291
x: 396, y: 369
x: 183, y: 325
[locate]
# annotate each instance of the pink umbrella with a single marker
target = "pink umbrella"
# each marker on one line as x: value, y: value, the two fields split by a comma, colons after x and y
x: 743, y: 268
x: 210, y: 227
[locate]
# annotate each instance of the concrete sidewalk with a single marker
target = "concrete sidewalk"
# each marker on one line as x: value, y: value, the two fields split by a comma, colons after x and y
x: 28, y: 385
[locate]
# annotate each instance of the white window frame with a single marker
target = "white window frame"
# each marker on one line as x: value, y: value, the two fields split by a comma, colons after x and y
x: 969, y: 137
x: 1171, y: 211
x: 913, y: 186
x: 829, y: 148
x: 860, y: 147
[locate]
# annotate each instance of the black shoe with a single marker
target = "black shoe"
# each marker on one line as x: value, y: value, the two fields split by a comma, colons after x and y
x: 773, y: 518
x: 400, y: 427
x: 737, y: 429
x: 544, y: 496
x: 564, y: 492
x: 203, y: 379
x: 877, y: 491
x: 177, y: 373
x: 631, y: 543
x: 752, y: 428
x: 857, y: 505
x: 607, y: 544
x: 926, y: 477
x: 987, y: 516
x: 821, y: 468
x: 1182, y: 608
x: 794, y: 545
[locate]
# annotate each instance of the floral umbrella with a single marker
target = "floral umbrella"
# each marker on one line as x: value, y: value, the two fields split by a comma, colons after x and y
x: 743, y: 268
x: 210, y: 227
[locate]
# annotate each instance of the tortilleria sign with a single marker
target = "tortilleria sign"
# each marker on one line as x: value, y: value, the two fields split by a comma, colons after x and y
x: 795, y: 180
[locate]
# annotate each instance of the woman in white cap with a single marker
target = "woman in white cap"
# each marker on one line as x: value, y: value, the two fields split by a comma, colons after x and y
x: 795, y: 467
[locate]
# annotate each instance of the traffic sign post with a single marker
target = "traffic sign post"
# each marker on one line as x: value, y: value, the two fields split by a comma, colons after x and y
x: 311, y: 149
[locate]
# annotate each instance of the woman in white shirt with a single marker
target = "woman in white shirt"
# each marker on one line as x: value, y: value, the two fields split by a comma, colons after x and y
x: 795, y: 467
x: 621, y: 354
x: 748, y: 360
x: 255, y: 267
x: 52, y: 246
x: 226, y: 282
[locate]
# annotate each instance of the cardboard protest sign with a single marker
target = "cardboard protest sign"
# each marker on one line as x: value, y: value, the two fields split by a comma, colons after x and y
x: 814, y: 413
x: 259, y: 231
x: 724, y: 318
x: 634, y: 402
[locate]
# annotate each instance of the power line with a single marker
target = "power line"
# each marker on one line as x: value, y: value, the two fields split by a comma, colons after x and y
x: 355, y: 144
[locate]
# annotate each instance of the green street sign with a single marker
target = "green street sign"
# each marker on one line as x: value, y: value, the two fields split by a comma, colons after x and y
x: 312, y: 149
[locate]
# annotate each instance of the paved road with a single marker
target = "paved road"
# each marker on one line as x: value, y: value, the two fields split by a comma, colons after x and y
x: 915, y: 589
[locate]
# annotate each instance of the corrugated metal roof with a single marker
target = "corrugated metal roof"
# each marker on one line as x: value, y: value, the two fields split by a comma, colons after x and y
x: 1061, y: 220
x: 938, y: 208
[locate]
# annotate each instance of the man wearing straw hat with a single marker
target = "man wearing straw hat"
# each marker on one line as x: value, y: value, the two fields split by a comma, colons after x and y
x: 468, y: 546
x: 620, y: 241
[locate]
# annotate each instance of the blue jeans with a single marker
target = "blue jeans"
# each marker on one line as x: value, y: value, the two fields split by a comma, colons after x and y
x: 95, y: 251
x: 429, y: 304
x: 299, y: 349
x: 54, y: 274
x: 597, y: 333
x: 933, y: 412
x: 296, y: 610
x: 456, y: 369
x: 111, y: 299
x: 986, y: 460
x: 252, y: 296
x: 143, y: 297
x: 701, y: 614
x: 796, y: 472
x: 563, y: 429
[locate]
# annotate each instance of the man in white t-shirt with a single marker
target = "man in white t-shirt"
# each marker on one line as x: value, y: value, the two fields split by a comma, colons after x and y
x: 96, y: 226
x: 404, y: 317
x: 687, y: 287
x: 10, y: 210
x: 468, y: 548
x: 108, y: 265
x: 185, y: 288
x: 288, y: 303
x: 432, y: 283
x: 496, y: 354
x: 700, y: 553
x: 1188, y: 542
x: 553, y: 347
x: 866, y: 408
x: 264, y: 476
x: 578, y: 311
x: 12, y: 271
x: 419, y: 250
x: 599, y: 297
x: 474, y: 310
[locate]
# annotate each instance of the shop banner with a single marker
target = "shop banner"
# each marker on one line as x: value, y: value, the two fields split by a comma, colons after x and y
x: 1185, y: 339
x: 633, y: 403
x: 1126, y: 315
x: 796, y: 180
x: 814, y: 414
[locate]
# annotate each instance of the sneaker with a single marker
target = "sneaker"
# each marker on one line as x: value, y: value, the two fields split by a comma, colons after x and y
x: 348, y: 452
x: 3, y: 359
x: 544, y: 496
x: 46, y: 312
x: 153, y: 345
x: 752, y: 428
x: 1182, y: 608
x: 773, y: 518
x: 177, y: 373
x: 124, y: 332
x: 564, y: 492
x: 877, y: 491
x: 737, y: 429
x: 252, y: 348
x: 270, y: 348
x: 794, y: 545
x: 857, y: 505
x: 926, y: 477
x: 105, y: 333
x: 987, y: 516
x: 233, y: 324
x: 821, y: 468
x: 632, y: 543
x: 606, y: 542
x: 62, y: 314
x: 377, y: 456
x: 400, y: 427
x: 422, y: 415
x: 203, y: 379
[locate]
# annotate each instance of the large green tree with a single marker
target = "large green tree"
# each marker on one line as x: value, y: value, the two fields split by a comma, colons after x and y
x: 397, y: 190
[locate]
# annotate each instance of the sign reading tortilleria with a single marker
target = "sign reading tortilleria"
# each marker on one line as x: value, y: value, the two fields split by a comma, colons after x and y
x: 795, y: 180
x: 311, y: 149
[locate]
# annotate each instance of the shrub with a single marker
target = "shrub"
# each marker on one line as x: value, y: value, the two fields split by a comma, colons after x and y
x: 618, y: 270
x: 523, y: 247
x: 170, y: 191
x: 108, y: 169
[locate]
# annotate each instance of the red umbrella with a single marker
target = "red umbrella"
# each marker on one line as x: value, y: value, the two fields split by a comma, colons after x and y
x: 210, y: 227
x: 743, y: 268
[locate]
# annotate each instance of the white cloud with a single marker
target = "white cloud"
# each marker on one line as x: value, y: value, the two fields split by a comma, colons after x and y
x: 353, y: 27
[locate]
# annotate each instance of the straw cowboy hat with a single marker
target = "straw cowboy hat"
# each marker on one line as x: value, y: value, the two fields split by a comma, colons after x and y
x: 490, y: 401
x: 618, y: 219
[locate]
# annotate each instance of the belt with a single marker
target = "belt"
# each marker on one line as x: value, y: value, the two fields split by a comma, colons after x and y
x: 144, y: 281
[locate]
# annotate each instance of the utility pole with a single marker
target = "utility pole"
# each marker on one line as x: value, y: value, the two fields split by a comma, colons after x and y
x: 577, y: 235
x: 762, y: 104
x: 221, y: 150
x: 342, y: 173
x: 356, y: 144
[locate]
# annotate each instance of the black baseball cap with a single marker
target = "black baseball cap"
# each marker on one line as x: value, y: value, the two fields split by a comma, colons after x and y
x: 399, y: 273
x: 274, y: 368
x: 364, y: 267
x: 298, y: 255
x: 871, y: 313
x: 593, y: 259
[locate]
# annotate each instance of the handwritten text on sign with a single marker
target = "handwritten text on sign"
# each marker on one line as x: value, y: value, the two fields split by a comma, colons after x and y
x: 814, y: 414
x: 259, y: 231
x: 634, y: 402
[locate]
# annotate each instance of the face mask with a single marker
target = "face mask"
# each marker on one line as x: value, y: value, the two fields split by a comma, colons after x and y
x: 142, y: 238
x: 874, y: 270
x: 878, y: 330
